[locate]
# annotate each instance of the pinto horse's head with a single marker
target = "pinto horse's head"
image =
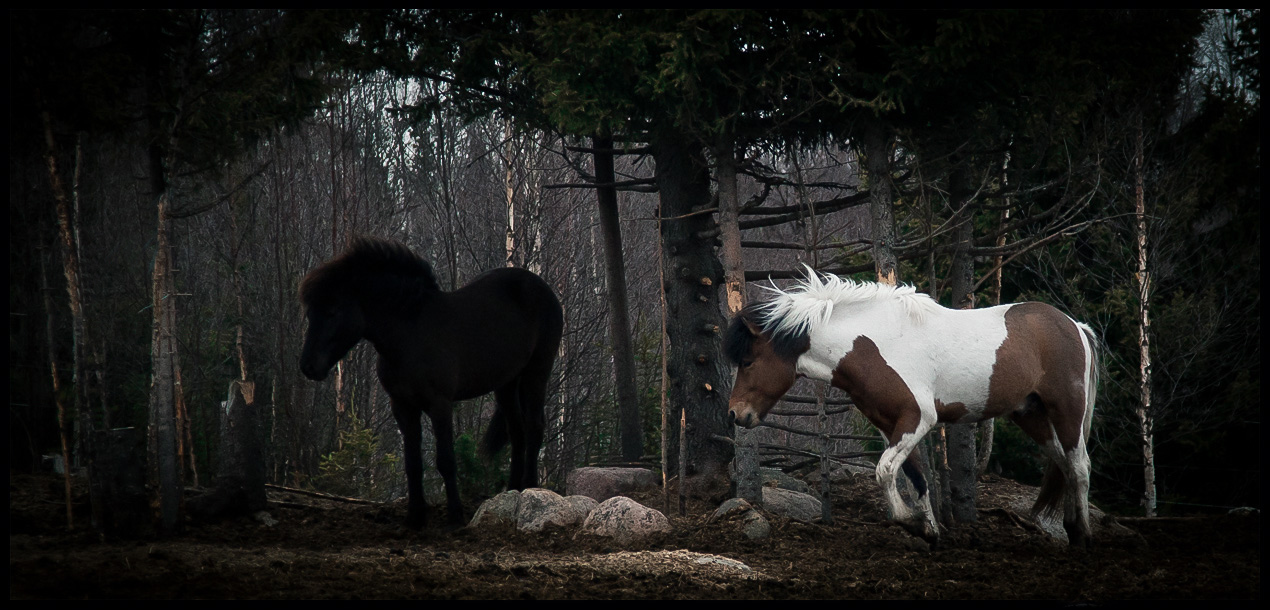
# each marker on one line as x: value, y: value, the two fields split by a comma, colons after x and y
x: 766, y: 367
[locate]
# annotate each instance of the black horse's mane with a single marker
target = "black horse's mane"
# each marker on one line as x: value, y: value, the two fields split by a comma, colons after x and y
x: 738, y: 340
x: 371, y: 267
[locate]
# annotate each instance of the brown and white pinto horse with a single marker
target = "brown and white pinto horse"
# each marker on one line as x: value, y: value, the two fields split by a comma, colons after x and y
x: 908, y: 363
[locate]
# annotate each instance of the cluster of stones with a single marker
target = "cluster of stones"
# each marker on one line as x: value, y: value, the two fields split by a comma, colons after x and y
x: 594, y: 501
x: 597, y: 505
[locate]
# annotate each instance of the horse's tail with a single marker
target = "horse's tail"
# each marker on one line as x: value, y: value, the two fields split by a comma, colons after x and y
x: 1049, y: 500
x: 496, y: 435
x: 1093, y: 371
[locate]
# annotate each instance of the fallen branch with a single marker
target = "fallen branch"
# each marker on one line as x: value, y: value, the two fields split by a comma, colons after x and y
x: 1022, y: 524
x: 324, y: 496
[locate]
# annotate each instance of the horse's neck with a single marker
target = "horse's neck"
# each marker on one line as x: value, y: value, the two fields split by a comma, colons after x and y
x: 385, y: 321
x: 882, y: 323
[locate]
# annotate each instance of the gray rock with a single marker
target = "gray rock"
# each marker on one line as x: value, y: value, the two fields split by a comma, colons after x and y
x: 722, y: 561
x: 849, y: 471
x: 499, y: 510
x: 542, y: 507
x: 755, y: 526
x: 775, y: 478
x: 583, y: 504
x: 532, y: 510
x: 625, y: 521
x: 792, y: 504
x: 1052, y: 525
x: 733, y: 507
x: 604, y: 483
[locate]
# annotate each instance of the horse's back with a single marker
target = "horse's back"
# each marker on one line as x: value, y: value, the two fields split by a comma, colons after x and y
x: 512, y: 291
x: 505, y: 322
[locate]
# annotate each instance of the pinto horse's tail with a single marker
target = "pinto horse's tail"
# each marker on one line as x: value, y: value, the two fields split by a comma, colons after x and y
x: 1093, y: 371
x: 1049, y: 501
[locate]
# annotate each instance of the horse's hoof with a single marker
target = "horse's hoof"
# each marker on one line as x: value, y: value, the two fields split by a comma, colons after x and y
x: 1084, y: 543
x: 923, y: 530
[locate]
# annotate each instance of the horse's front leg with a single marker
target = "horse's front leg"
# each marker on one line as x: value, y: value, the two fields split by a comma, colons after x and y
x: 407, y: 417
x: 908, y: 431
x: 443, y: 428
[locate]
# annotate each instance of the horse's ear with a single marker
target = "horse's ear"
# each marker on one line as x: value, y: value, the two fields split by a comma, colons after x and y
x: 752, y: 327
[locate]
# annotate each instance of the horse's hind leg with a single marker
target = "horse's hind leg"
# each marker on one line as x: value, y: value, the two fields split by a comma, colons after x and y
x: 1060, y: 435
x: 1075, y: 464
x: 533, y: 399
x: 412, y: 460
x: 509, y: 406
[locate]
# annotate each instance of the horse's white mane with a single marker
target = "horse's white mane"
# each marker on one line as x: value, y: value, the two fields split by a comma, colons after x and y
x: 811, y: 302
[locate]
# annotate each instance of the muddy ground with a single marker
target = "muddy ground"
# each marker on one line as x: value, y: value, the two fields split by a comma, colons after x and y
x: 321, y: 548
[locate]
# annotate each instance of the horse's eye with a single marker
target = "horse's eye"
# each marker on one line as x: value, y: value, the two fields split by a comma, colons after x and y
x: 745, y: 364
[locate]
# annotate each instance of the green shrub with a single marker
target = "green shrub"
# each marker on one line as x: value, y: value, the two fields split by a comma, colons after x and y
x: 358, y: 468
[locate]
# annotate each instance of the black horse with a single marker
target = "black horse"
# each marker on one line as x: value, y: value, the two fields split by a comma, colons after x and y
x: 499, y: 333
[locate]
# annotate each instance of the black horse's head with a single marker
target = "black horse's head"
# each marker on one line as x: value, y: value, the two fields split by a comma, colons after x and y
x: 333, y: 330
x: 378, y: 274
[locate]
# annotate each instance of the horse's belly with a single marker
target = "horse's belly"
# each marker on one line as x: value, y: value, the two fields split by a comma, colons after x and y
x: 479, y: 379
x: 962, y: 401
x: 962, y: 383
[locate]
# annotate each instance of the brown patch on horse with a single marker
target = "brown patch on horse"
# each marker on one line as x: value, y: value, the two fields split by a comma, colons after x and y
x: 950, y: 413
x: 878, y: 391
x: 1041, y: 354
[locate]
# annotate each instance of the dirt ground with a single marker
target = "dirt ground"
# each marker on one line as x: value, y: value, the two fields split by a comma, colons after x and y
x: 320, y: 548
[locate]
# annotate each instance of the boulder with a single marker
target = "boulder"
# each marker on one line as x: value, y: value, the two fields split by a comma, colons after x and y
x: 775, y: 478
x: 604, y: 483
x: 532, y: 510
x: 625, y: 521
x: 792, y: 504
x: 540, y: 508
x: 499, y: 510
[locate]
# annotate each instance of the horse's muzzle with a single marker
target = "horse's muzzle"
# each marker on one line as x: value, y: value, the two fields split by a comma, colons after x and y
x: 745, y: 417
x: 314, y: 373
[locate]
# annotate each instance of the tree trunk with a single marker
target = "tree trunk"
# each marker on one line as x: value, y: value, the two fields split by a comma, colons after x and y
x: 240, y: 479
x: 62, y: 431
x: 164, y: 468
x: 509, y: 193
x: 630, y: 427
x: 745, y: 467
x: 70, y: 268
x: 1145, y: 416
x: 696, y: 375
x: 729, y: 225
x: 875, y: 147
x: 822, y: 428
x: 988, y: 428
x: 961, y: 438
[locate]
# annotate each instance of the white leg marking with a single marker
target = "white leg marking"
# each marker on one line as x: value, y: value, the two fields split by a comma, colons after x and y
x: 888, y: 467
x: 1075, y: 467
x: 1076, y: 506
x: 888, y: 470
